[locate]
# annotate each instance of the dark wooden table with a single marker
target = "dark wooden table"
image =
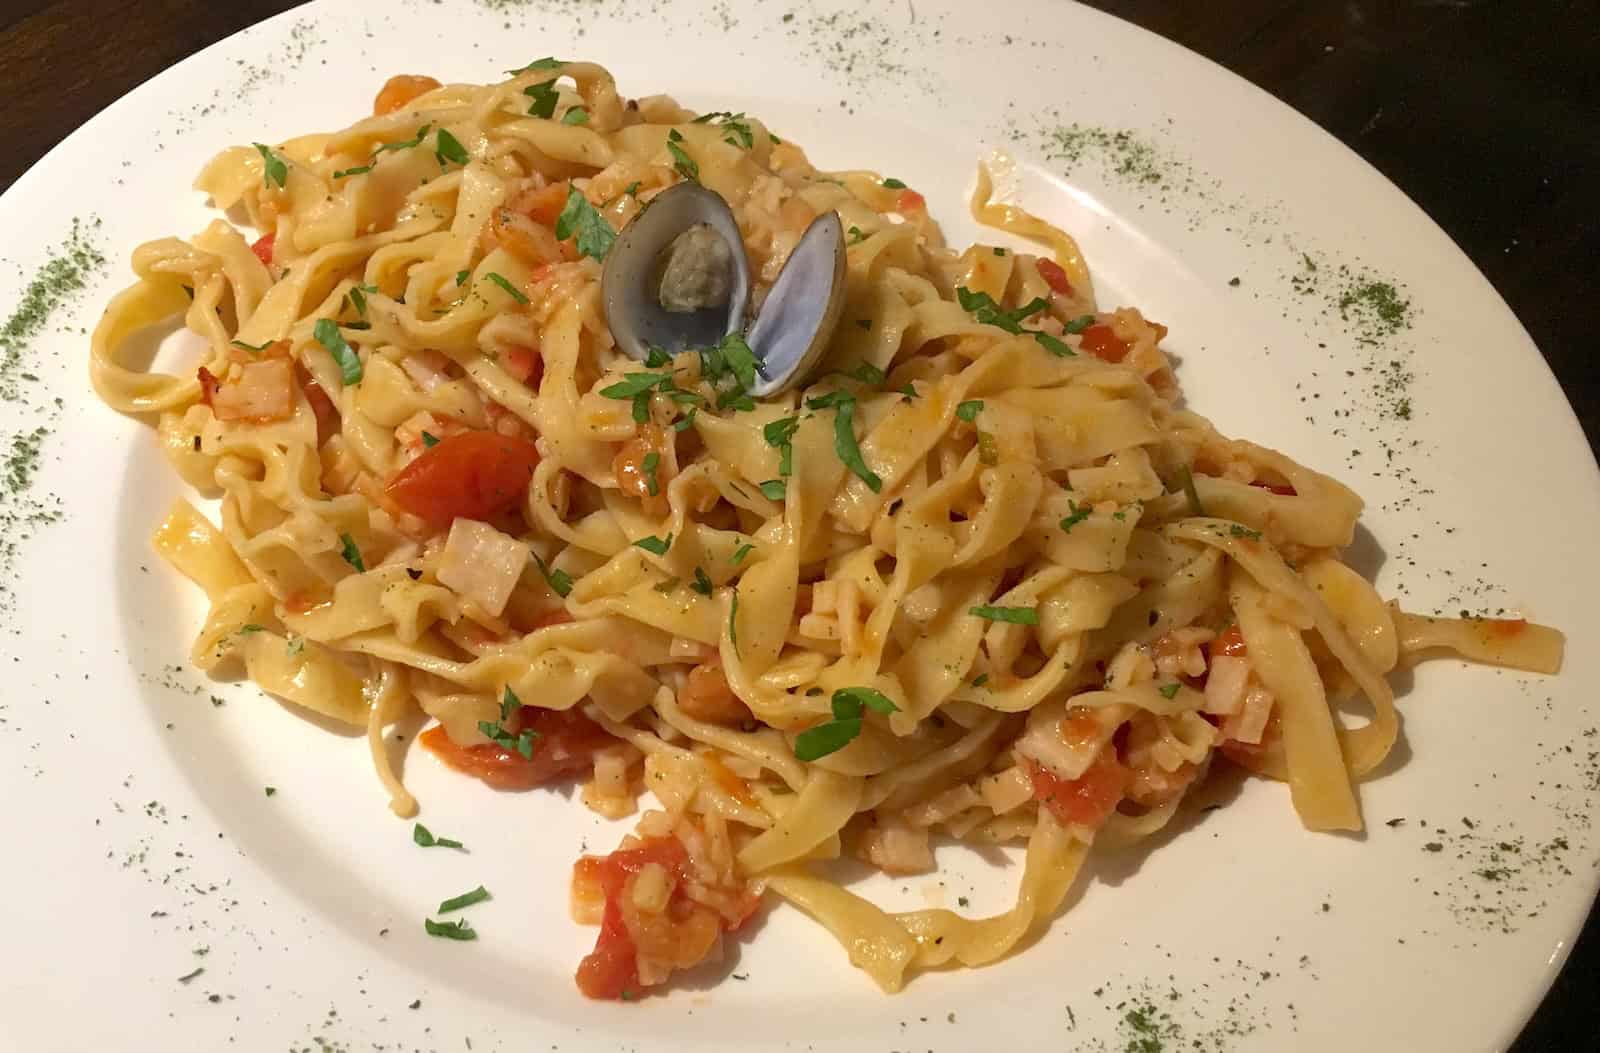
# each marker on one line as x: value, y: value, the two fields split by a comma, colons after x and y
x: 1484, y: 111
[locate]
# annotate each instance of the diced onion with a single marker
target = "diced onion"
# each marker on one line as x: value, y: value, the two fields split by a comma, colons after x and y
x: 1225, y: 684
x: 481, y: 564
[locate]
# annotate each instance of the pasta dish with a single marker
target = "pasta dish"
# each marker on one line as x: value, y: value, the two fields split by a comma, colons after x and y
x: 911, y: 544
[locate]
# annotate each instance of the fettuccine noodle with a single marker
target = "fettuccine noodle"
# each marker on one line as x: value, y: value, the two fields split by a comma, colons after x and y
x: 982, y: 579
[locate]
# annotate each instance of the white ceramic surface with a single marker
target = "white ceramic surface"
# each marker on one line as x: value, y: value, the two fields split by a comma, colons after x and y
x: 138, y: 833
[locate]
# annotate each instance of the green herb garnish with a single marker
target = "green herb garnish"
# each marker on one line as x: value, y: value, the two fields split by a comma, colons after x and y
x: 774, y: 489
x: 466, y: 899
x: 654, y: 545
x: 1169, y: 690
x: 894, y: 184
x: 405, y: 144
x: 424, y: 837
x: 544, y: 63
x: 454, y: 930
x: 576, y: 115
x: 1079, y: 324
x: 254, y: 349
x: 969, y: 410
x: 1012, y: 615
x: 429, y: 440
x: 1079, y: 514
x: 450, y: 150
x: 847, y: 703
x: 504, y: 283
x: 327, y: 333
x: 701, y: 583
x: 274, y: 170
x: 357, y: 170
x: 652, y: 461
x: 560, y: 581
x: 681, y: 161
x: 542, y: 99
x: 351, y: 553
x: 741, y: 552
x: 579, y: 218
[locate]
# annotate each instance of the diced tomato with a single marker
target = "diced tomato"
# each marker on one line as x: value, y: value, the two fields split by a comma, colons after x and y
x: 472, y: 475
x: 1101, y: 342
x: 1054, y: 276
x: 1230, y: 642
x: 910, y: 201
x: 611, y: 970
x: 1281, y: 491
x: 1087, y: 801
x: 400, y: 91
x: 566, y: 743
x: 263, y: 247
x: 524, y: 365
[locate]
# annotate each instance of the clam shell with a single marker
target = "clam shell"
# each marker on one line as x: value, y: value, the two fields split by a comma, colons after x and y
x: 628, y: 283
x: 801, y: 311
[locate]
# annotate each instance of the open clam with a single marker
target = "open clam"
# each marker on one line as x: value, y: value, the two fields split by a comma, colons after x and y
x: 678, y: 278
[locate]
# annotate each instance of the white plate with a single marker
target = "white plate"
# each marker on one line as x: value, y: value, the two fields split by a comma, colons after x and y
x: 138, y: 832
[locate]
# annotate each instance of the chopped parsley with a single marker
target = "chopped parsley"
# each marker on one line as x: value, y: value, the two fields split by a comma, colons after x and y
x: 429, y: 440
x: 560, y: 581
x: 545, y: 63
x: 357, y: 170
x: 681, y: 161
x: 980, y: 680
x: 857, y: 235
x: 424, y: 837
x: 496, y: 732
x: 327, y: 333
x: 701, y: 583
x: 656, y: 358
x: 848, y: 704
x: 466, y: 899
x: 733, y: 621
x: 542, y: 99
x: 405, y: 144
x: 462, y: 276
x: 1079, y: 324
x: 984, y: 310
x: 844, y: 435
x: 449, y: 149
x: 1079, y: 514
x: 351, y: 553
x: 1235, y: 530
x: 737, y: 128
x: 780, y: 435
x: 1169, y: 690
x: 270, y: 790
x: 504, y: 283
x: 273, y: 170
x: 969, y: 410
x: 741, y: 552
x: 254, y: 349
x: 654, y: 545
x: 579, y: 218
x: 652, y: 461
x: 576, y: 115
x: 894, y: 184
x: 358, y: 297
x: 1012, y: 615
x: 774, y: 489
x: 454, y: 930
